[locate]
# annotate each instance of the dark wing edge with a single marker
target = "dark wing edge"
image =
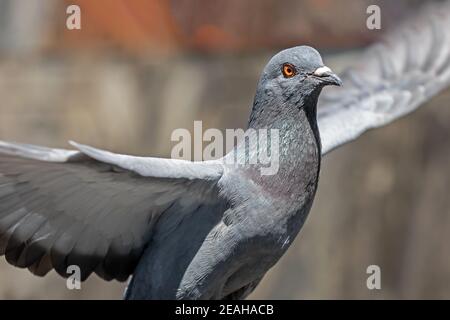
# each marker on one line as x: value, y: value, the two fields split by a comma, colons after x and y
x: 60, y: 208
x: 392, y: 79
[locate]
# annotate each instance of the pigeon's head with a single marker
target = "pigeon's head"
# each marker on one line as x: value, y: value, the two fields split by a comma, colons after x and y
x: 294, y: 74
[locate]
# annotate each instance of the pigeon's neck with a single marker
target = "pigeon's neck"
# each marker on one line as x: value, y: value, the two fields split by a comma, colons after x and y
x: 299, y: 148
x: 294, y: 119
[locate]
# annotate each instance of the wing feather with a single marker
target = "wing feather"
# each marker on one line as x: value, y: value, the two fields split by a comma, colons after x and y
x: 392, y: 79
x: 91, y: 208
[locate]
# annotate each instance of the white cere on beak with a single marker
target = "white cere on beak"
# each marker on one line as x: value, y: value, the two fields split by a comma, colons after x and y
x: 322, y: 71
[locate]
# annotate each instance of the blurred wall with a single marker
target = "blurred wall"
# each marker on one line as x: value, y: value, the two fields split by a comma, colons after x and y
x: 140, y: 69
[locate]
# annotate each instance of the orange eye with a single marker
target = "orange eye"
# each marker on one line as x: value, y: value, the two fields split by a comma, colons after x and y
x: 289, y: 70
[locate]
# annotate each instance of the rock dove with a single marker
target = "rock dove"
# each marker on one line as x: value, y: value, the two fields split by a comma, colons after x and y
x: 211, y: 230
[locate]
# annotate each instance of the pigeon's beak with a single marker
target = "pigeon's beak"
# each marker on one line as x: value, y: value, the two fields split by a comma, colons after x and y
x: 326, y: 75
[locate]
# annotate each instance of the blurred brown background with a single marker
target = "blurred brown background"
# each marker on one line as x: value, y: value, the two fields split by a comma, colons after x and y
x: 139, y: 69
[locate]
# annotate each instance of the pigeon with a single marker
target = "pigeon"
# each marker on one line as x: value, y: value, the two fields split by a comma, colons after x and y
x: 211, y: 230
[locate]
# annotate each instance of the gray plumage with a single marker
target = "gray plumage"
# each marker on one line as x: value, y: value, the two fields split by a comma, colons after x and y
x: 208, y: 230
x: 233, y: 241
x: 393, y: 78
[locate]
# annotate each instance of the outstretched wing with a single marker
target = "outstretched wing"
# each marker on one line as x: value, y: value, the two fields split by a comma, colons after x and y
x: 91, y: 208
x: 392, y: 79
